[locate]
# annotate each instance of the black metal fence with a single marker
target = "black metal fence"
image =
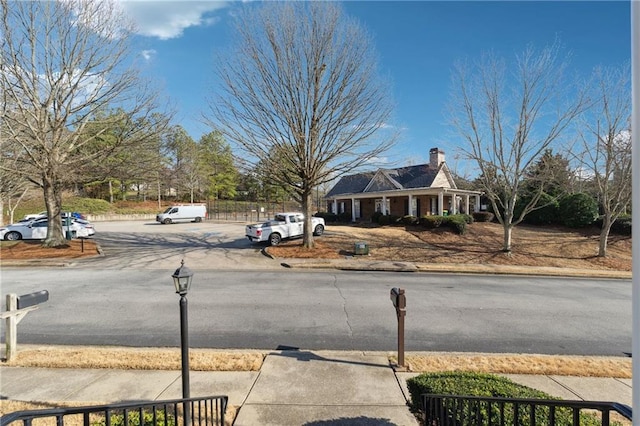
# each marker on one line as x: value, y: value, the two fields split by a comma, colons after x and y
x: 449, y: 410
x: 205, y: 411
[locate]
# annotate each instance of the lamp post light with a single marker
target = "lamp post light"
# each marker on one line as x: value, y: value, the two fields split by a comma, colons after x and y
x: 182, y: 280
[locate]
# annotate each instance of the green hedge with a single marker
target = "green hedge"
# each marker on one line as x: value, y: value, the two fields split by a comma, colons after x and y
x: 133, y: 419
x: 409, y: 220
x: 457, y: 222
x: 431, y: 222
x: 622, y: 225
x: 578, y: 210
x: 483, y: 216
x: 488, y: 385
x: 334, y: 218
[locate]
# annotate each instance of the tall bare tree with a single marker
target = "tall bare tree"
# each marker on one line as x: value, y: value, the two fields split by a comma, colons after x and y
x: 508, y: 118
x: 606, y: 139
x: 302, y: 82
x: 62, y: 62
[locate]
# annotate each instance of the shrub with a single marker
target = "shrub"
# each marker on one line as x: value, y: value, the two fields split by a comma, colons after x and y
x: 483, y: 216
x: 409, y: 220
x: 133, y: 419
x: 431, y: 221
x: 622, y: 225
x: 344, y: 217
x: 487, y: 385
x: 375, y: 217
x: 457, y: 222
x: 389, y: 219
x: 546, y: 215
x: 467, y: 218
x: 327, y: 216
x: 578, y: 210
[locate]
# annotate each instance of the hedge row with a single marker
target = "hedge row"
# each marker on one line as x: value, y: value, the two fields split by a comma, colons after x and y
x: 488, y: 385
x: 457, y: 222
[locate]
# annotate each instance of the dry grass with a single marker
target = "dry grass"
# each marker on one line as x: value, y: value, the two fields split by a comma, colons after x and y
x: 556, y: 365
x: 481, y: 244
x: 136, y: 358
x: 216, y: 360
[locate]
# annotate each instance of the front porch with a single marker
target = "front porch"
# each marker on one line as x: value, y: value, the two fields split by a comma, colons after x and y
x: 432, y: 201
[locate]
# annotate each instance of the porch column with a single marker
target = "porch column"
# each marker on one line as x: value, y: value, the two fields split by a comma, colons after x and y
x: 384, y: 205
x: 466, y: 203
x: 335, y: 206
x: 411, y: 212
x: 454, y: 204
x: 353, y: 210
x: 476, y: 207
x: 440, y: 203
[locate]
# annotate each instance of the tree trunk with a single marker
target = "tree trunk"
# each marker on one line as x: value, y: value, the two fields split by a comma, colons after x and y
x: 604, y: 236
x: 110, y: 191
x: 2, y: 212
x: 53, y: 202
x: 307, y: 205
x: 506, y: 245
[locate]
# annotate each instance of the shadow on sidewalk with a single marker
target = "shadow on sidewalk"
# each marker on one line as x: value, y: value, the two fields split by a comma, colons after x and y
x: 352, y: 421
x: 307, y: 356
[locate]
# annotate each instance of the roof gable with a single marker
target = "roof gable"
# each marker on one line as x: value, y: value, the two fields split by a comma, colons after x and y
x: 410, y: 177
x: 382, y: 181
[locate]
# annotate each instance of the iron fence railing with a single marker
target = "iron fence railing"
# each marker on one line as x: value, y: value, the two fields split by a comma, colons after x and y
x: 450, y: 410
x: 204, y: 411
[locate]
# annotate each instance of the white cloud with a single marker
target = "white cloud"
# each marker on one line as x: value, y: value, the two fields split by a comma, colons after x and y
x: 168, y: 19
x: 148, y: 54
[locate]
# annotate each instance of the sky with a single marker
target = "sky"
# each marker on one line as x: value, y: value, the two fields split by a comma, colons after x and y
x: 417, y: 42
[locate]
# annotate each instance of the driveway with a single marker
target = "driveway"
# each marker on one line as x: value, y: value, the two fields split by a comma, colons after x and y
x: 150, y: 245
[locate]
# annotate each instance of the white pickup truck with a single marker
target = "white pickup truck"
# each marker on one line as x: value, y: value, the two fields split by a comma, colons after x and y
x: 282, y: 226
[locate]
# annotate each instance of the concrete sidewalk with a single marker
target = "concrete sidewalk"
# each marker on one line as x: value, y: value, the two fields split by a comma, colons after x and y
x: 292, y: 388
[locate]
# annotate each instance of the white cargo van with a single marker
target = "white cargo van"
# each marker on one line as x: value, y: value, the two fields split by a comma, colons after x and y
x: 183, y: 213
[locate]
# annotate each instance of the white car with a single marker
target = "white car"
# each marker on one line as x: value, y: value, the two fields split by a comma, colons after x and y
x: 33, y: 216
x: 37, y: 230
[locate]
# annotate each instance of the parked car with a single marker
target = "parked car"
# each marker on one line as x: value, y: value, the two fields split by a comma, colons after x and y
x: 43, y: 214
x: 37, y: 230
x: 32, y: 216
x: 283, y: 226
x: 183, y: 213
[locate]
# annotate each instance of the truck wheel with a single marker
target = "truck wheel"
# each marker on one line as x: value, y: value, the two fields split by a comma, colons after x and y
x: 13, y: 236
x: 274, y: 239
x: 166, y: 221
x: 198, y: 219
x: 319, y: 229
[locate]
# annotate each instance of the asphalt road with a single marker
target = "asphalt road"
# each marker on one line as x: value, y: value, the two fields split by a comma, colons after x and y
x: 240, y: 299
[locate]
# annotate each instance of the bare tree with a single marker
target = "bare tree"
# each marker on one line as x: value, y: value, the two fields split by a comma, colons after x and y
x: 508, y: 120
x: 302, y: 83
x: 606, y: 139
x: 61, y: 63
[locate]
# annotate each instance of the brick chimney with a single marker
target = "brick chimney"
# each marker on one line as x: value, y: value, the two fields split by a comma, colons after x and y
x: 436, y: 157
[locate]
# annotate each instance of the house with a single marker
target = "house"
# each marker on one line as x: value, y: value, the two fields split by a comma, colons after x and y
x: 425, y: 189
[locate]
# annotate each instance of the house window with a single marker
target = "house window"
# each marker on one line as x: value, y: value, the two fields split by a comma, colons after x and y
x: 341, y: 207
x: 356, y: 209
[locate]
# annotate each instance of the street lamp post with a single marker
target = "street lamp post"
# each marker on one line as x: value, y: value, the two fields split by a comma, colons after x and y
x: 182, y: 281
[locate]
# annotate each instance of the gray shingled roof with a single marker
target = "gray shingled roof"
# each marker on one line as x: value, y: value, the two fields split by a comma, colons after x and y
x: 420, y: 176
x: 351, y: 184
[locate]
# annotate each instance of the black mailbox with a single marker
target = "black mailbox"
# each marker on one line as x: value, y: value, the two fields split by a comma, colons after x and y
x: 32, y: 299
x: 398, y: 298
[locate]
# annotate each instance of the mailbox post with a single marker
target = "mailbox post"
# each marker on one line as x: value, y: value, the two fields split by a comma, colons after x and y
x: 400, y: 303
x: 17, y: 308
